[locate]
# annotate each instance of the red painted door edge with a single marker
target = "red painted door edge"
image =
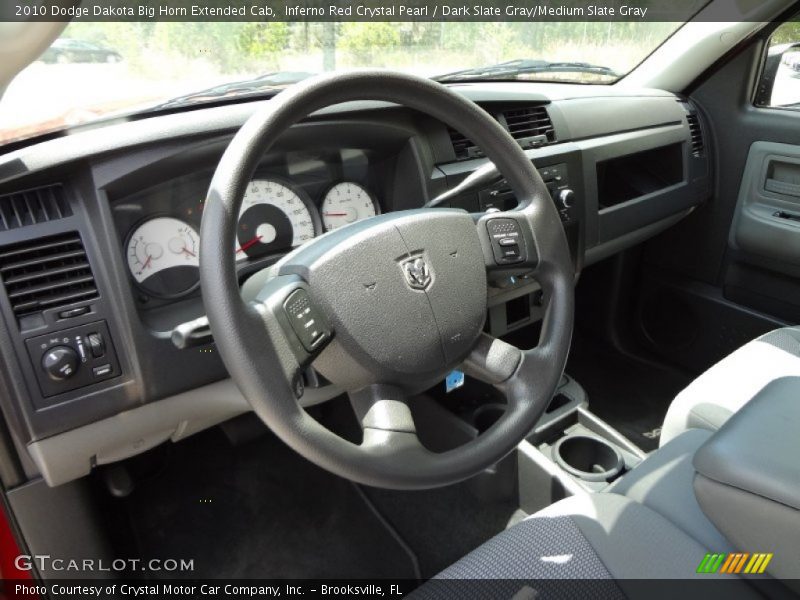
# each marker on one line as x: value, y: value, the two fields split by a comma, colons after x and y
x: 9, y: 551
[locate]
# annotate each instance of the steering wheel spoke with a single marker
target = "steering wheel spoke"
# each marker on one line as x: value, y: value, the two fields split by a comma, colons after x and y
x: 387, y: 422
x: 382, y: 407
x: 492, y: 360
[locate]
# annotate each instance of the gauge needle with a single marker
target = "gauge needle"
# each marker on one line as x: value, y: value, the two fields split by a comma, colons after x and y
x: 335, y: 214
x: 147, y: 262
x: 187, y: 252
x: 247, y: 245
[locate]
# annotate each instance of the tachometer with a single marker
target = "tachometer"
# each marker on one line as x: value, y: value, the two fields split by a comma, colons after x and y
x: 163, y: 257
x: 346, y: 203
x: 273, y: 217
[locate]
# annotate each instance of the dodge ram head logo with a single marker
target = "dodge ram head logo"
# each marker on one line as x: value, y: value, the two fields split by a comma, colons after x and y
x: 417, y: 272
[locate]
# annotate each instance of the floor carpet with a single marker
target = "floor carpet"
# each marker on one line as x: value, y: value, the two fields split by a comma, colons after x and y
x: 259, y: 510
x: 631, y: 395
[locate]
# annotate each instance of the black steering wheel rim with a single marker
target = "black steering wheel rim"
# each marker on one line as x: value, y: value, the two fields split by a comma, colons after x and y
x: 264, y: 368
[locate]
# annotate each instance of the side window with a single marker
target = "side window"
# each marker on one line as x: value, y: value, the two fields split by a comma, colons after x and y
x: 779, y: 85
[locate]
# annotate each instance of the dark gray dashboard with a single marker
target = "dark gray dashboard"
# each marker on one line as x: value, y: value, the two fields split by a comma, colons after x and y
x: 635, y: 161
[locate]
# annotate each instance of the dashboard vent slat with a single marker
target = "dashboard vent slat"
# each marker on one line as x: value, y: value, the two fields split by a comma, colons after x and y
x: 531, y: 126
x: 463, y: 147
x: 46, y: 273
x: 530, y: 122
x: 696, y: 133
x: 33, y: 206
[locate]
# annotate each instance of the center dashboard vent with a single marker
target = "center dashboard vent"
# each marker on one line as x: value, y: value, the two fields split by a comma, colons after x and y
x: 696, y: 133
x: 530, y: 126
x: 46, y: 273
x: 463, y: 146
x: 33, y: 206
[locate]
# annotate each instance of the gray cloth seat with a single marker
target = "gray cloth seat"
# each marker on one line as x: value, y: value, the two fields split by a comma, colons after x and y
x: 648, y: 525
x: 592, y: 546
x: 712, y: 398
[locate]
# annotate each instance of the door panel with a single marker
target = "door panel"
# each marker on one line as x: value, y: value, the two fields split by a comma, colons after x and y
x: 766, y: 223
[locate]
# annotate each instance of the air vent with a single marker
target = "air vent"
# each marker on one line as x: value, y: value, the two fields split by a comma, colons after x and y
x: 46, y: 273
x: 530, y: 126
x: 463, y: 146
x: 33, y: 206
x: 696, y: 133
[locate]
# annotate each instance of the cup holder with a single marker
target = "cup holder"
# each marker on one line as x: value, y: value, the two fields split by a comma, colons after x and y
x: 588, y: 458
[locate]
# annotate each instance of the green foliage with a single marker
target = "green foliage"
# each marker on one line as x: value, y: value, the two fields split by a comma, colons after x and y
x: 787, y: 33
x: 365, y: 41
x: 263, y: 41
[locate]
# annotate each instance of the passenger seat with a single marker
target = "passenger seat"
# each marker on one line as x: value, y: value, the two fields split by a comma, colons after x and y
x: 712, y: 398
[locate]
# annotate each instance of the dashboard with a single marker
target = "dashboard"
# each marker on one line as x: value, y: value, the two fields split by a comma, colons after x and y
x: 100, y: 231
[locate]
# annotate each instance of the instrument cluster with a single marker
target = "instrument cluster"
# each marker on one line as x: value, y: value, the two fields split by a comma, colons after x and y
x: 277, y: 214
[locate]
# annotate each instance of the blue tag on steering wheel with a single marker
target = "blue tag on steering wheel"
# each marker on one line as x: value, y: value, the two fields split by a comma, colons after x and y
x: 453, y: 381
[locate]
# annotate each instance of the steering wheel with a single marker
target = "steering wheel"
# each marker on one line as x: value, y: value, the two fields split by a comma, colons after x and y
x: 386, y: 307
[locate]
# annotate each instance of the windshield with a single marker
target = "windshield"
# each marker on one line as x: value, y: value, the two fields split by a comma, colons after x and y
x: 99, y: 70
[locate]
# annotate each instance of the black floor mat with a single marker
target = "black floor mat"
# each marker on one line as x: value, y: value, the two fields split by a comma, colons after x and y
x: 631, y: 395
x: 259, y: 510
x: 443, y: 525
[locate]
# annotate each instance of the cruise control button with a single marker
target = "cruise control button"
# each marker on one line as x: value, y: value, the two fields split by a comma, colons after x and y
x: 505, y: 236
x: 305, y: 319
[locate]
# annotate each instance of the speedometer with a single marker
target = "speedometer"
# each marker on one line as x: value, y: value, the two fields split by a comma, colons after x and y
x: 346, y: 203
x: 273, y: 217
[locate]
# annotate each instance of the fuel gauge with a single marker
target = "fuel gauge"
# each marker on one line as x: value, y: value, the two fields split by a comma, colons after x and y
x: 163, y: 257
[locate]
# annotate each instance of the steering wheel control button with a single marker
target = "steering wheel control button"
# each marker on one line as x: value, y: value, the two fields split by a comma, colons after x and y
x: 97, y: 345
x: 306, y: 320
x: 71, y: 358
x: 60, y: 362
x: 505, y: 235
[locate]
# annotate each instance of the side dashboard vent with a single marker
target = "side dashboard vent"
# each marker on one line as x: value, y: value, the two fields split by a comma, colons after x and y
x: 696, y: 133
x: 530, y: 126
x: 46, y: 273
x: 33, y: 206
